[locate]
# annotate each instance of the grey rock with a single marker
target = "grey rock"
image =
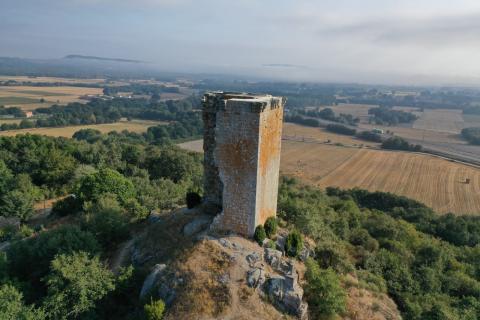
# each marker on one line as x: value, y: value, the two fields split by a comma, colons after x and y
x: 280, y: 243
x: 224, y: 278
x: 138, y: 258
x: 304, y: 254
x: 151, y: 279
x: 167, y: 294
x: 253, y: 258
x: 287, y: 295
x: 197, y: 225
x: 237, y: 246
x: 225, y: 243
x: 256, y: 277
x: 273, y: 257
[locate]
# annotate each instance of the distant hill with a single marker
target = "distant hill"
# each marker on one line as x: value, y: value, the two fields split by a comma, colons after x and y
x: 78, y: 56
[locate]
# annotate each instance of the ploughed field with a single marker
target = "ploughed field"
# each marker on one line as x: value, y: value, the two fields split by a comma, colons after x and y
x: 439, y: 183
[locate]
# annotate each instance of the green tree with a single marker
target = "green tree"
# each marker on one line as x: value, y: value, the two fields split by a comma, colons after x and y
x: 259, y: 234
x: 294, y: 243
x: 107, y: 220
x: 17, y: 204
x: 325, y: 295
x: 106, y: 180
x: 271, y: 226
x: 12, y: 306
x: 154, y: 310
x: 6, y: 177
x: 76, y: 282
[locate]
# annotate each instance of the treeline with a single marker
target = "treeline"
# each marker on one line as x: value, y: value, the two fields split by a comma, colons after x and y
x: 11, y: 111
x: 383, y: 115
x: 141, y: 89
x: 397, y: 143
x: 328, y: 114
x: 341, y: 129
x: 100, y: 111
x: 472, y: 135
x: 427, y: 263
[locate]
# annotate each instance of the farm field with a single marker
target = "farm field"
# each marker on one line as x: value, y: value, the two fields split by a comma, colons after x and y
x: 137, y: 126
x: 296, y: 131
x: 436, y: 182
x: 441, y: 120
x: 28, y: 98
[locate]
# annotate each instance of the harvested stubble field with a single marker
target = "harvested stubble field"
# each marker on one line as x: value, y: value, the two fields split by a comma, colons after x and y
x: 296, y: 131
x: 436, y: 182
x: 138, y: 126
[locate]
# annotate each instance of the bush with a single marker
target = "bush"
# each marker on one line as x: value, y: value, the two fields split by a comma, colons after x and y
x: 193, y: 199
x: 154, y: 310
x: 66, y: 206
x: 294, y: 244
x: 260, y: 234
x: 325, y: 295
x: 107, y: 221
x: 271, y: 226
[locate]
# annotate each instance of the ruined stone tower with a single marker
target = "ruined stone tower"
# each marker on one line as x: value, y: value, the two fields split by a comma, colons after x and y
x: 242, y: 141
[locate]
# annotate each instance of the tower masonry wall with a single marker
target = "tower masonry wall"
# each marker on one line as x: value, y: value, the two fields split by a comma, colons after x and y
x: 242, y: 146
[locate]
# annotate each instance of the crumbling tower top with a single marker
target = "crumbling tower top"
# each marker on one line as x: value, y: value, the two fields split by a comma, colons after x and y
x: 242, y: 141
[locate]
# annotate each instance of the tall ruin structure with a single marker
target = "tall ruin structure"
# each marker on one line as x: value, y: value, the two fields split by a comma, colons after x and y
x: 242, y: 142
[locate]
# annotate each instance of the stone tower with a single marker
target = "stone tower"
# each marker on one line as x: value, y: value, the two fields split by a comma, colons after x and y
x: 242, y: 141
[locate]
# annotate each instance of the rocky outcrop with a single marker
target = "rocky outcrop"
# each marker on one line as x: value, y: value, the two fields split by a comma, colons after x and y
x: 151, y: 279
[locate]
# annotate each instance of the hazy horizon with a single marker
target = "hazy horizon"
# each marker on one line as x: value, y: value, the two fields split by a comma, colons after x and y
x: 428, y: 42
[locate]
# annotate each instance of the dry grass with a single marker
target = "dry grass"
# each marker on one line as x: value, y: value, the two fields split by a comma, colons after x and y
x: 436, y: 182
x: 137, y: 126
x: 203, y: 295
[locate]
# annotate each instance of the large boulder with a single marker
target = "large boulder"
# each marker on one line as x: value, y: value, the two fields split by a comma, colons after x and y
x: 196, y: 225
x: 273, y: 257
x: 256, y: 277
x: 151, y: 279
x: 287, y: 295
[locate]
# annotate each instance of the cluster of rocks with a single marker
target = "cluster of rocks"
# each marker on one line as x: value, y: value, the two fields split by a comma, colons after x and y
x: 282, y: 287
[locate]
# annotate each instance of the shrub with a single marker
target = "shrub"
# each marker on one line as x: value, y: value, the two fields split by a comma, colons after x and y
x: 66, y: 206
x: 260, y: 234
x: 193, y: 199
x: 107, y: 221
x: 325, y: 295
x: 271, y: 226
x: 294, y: 243
x: 154, y: 310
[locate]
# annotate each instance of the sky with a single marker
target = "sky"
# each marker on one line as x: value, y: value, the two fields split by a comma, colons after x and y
x: 367, y: 41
